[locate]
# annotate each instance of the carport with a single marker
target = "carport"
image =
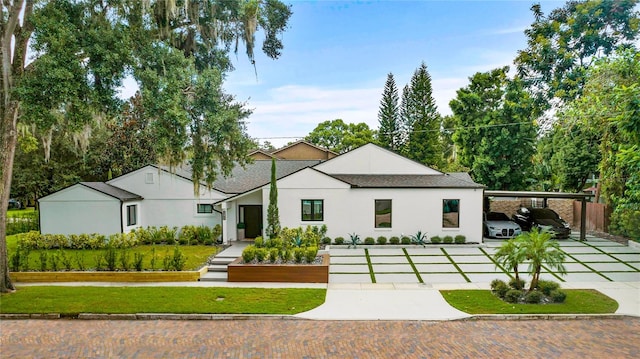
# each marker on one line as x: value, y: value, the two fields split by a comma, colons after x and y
x: 583, y: 197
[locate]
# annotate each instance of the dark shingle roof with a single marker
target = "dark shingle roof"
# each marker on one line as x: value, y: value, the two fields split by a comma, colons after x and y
x: 408, y: 181
x: 258, y: 174
x: 112, y: 191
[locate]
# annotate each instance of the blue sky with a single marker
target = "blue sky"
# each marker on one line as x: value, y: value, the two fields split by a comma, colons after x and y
x: 338, y: 53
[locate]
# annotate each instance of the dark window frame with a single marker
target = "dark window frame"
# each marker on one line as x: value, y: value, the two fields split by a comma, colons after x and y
x: 312, y: 203
x: 204, y: 205
x: 446, y: 204
x: 375, y: 214
x: 132, y: 214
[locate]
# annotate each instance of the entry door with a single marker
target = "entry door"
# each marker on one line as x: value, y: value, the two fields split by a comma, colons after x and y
x: 252, y: 221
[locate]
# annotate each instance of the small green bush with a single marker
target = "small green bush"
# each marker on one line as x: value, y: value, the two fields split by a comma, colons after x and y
x: 394, y: 240
x: 326, y: 240
x: 382, y: 240
x: 43, y: 259
x: 338, y: 240
x: 111, y: 258
x: 258, y: 242
x: 298, y: 254
x: 460, y: 239
x: 436, y: 240
x: 178, y: 260
x: 369, y: 240
x: 54, y: 260
x: 261, y: 254
x: 513, y: 296
x: 310, y: 254
x: 125, y: 259
x: 558, y: 296
x: 274, y: 254
x: 533, y: 297
x: 447, y: 239
x: 499, y: 288
x: 405, y: 240
x: 516, y: 284
x: 249, y: 253
x: 547, y: 286
x: 66, y: 260
x: 286, y: 254
x: 137, y: 261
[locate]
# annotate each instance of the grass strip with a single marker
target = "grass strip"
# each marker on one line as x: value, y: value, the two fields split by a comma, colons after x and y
x: 373, y: 275
x: 180, y: 300
x: 413, y: 266
x: 455, y: 265
x: 508, y: 273
x: 586, y: 265
x: 578, y: 301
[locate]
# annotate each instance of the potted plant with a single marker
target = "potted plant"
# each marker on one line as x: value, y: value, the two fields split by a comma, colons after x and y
x: 240, y: 227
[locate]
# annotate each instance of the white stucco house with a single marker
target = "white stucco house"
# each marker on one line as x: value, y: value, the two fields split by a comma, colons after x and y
x: 370, y: 191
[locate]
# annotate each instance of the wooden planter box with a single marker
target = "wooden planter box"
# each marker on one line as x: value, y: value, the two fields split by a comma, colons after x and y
x: 36, y: 277
x: 290, y: 273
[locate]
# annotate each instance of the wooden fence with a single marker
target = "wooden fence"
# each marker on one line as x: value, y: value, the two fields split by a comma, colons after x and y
x: 598, y: 216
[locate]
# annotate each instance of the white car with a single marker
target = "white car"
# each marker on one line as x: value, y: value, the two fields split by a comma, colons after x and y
x: 499, y: 225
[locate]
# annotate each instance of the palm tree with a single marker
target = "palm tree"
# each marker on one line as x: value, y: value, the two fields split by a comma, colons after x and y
x: 510, y: 255
x: 539, y: 248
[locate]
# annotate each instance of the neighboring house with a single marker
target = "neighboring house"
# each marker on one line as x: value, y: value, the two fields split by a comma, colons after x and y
x: 370, y: 191
x: 300, y: 150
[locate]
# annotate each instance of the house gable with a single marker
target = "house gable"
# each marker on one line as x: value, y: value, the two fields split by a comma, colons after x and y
x: 78, y: 193
x: 374, y: 160
x: 303, y: 150
x: 310, y: 178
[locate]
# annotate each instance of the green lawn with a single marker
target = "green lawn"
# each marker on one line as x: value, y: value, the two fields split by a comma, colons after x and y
x: 196, y: 255
x: 579, y: 301
x: 20, y: 212
x: 129, y: 300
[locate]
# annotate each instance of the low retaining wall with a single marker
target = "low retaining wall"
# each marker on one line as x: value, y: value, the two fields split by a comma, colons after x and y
x: 37, y: 277
x: 289, y: 273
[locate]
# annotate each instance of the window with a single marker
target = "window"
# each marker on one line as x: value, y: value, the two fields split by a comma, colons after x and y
x: 383, y: 213
x: 205, y: 208
x: 148, y: 178
x: 312, y: 210
x: 450, y: 213
x: 132, y: 217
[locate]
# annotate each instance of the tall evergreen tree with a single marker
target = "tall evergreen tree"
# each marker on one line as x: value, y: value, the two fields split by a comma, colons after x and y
x: 273, y: 215
x: 405, y: 117
x: 424, y: 122
x: 389, y: 135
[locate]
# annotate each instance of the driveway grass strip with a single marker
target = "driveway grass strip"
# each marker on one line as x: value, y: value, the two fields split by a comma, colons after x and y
x: 586, y: 265
x: 415, y: 270
x: 508, y: 273
x: 617, y: 259
x: 373, y: 275
x: 554, y: 274
x: 455, y: 265
x: 179, y: 300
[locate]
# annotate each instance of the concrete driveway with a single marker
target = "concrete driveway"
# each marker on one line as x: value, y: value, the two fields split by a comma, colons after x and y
x: 596, y: 260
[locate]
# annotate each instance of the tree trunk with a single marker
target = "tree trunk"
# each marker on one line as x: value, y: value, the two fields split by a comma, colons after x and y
x: 7, y: 152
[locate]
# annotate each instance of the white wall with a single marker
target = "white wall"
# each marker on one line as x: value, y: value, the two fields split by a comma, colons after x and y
x: 77, y: 210
x: 371, y: 159
x: 349, y: 210
x: 169, y: 200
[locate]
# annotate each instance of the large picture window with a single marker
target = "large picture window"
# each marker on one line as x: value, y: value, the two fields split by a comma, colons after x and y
x: 205, y: 208
x: 450, y: 213
x: 312, y: 210
x: 383, y: 213
x: 132, y: 216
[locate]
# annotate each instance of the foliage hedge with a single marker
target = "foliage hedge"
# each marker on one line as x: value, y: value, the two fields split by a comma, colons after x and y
x: 298, y: 244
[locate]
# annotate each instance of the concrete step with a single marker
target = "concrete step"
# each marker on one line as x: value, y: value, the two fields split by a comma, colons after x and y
x: 217, y: 268
x: 214, y: 277
x: 222, y: 260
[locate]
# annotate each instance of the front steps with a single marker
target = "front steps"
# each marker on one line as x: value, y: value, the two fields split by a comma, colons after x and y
x: 217, y: 269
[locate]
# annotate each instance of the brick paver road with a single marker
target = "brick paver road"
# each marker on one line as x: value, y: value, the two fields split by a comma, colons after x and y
x: 596, y: 338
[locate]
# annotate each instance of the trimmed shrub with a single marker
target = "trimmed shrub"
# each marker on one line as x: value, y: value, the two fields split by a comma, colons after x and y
x: 125, y: 259
x: 42, y: 261
x: 310, y: 254
x: 249, y: 253
x: 394, y: 240
x: 447, y: 239
x: 558, y: 296
x: 258, y: 242
x: 298, y: 254
x: 137, y: 261
x: 261, y: 254
x: 518, y: 285
x: 66, y: 260
x: 381, y: 240
x: 460, y: 239
x: 405, y: 240
x: 547, y: 286
x: 499, y: 288
x: 533, y: 297
x: 326, y: 240
x: 339, y: 240
x: 369, y: 240
x: 436, y: 240
x: 286, y: 254
x: 111, y: 257
x: 274, y: 254
x: 513, y: 295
